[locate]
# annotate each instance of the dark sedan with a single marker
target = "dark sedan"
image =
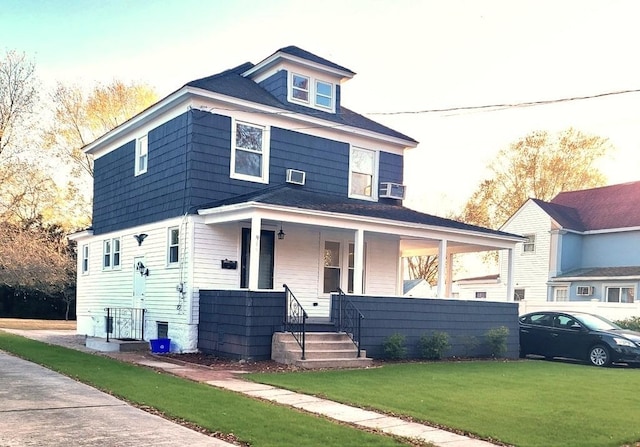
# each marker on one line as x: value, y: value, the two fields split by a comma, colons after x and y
x: 577, y: 335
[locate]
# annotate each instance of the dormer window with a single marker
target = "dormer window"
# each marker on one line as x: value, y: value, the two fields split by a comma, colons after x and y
x: 311, y: 92
x: 300, y: 88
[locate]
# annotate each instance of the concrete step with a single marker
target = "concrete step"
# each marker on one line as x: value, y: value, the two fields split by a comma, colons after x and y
x: 361, y: 362
x: 322, y: 350
x: 115, y: 345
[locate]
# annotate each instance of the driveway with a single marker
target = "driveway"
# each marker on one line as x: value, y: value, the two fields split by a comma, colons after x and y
x: 40, y: 407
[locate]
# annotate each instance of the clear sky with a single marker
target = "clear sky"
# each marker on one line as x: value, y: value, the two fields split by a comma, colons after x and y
x: 409, y: 56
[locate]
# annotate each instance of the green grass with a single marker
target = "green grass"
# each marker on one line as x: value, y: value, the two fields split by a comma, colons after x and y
x: 256, y: 422
x: 525, y: 403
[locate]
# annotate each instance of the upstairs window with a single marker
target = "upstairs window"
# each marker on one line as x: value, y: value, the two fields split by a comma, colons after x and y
x: 530, y: 244
x: 312, y: 92
x: 111, y: 254
x: 300, y: 87
x: 142, y: 155
x: 324, y: 94
x: 363, y: 174
x: 85, y: 259
x: 173, y: 246
x: 250, y: 153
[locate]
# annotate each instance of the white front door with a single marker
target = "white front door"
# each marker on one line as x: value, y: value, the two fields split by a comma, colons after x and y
x: 139, y: 282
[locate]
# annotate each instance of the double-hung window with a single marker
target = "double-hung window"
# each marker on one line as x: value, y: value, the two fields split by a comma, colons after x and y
x: 363, y: 173
x: 324, y: 94
x: 250, y: 152
x: 312, y: 92
x: 110, y: 254
x: 142, y: 155
x: 300, y: 88
x: 173, y: 246
x: 85, y: 259
x: 530, y: 244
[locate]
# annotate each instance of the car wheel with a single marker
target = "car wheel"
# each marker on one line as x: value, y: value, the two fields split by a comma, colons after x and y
x: 599, y: 356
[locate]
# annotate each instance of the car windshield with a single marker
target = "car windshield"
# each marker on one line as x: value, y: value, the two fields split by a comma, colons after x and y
x: 596, y: 323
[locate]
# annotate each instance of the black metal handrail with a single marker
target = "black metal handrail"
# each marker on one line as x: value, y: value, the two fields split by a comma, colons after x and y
x: 349, y: 319
x: 295, y: 318
x: 125, y: 323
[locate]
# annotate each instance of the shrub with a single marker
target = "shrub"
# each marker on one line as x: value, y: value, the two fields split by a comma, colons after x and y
x: 469, y: 343
x: 394, y: 346
x: 631, y: 323
x: 434, y: 346
x: 497, y: 340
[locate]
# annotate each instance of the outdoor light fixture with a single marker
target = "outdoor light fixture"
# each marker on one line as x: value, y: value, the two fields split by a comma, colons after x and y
x: 144, y: 271
x: 140, y: 237
x: 281, y: 233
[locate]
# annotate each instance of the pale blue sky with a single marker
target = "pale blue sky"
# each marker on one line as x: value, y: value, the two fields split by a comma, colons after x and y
x: 408, y: 56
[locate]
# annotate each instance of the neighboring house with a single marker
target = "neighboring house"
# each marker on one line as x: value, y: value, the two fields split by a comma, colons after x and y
x: 581, y: 246
x: 418, y: 288
x: 487, y: 287
x: 247, y: 180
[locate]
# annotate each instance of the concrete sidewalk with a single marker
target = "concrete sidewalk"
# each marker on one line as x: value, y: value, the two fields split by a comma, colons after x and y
x: 231, y: 380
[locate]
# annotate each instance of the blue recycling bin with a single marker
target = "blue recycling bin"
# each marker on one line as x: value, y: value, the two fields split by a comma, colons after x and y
x: 160, y: 345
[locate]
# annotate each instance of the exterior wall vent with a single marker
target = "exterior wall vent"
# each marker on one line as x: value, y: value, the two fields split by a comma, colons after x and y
x: 584, y: 291
x: 392, y: 190
x: 296, y: 177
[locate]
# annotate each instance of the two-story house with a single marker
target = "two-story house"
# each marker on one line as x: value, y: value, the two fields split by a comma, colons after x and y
x: 582, y: 246
x: 247, y: 180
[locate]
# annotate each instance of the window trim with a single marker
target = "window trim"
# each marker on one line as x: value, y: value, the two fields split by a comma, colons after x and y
x: 264, y: 153
x: 312, y: 92
x: 109, y: 253
x: 171, y: 263
x: 142, y: 153
x: 605, y: 296
x: 374, y: 176
x: 85, y: 259
x: 515, y: 294
x: 529, y: 246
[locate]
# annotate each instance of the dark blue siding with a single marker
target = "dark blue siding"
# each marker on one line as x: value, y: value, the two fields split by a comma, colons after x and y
x: 413, y: 317
x: 326, y: 162
x: 122, y: 200
x: 390, y: 167
x: 277, y: 85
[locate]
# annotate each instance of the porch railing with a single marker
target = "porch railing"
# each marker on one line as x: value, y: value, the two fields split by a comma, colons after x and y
x: 295, y: 318
x: 125, y: 323
x: 349, y: 319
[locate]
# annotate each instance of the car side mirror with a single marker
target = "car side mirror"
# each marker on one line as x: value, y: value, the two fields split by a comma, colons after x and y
x: 575, y: 327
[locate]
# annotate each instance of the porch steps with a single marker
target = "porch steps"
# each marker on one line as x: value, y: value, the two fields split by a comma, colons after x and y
x: 322, y: 350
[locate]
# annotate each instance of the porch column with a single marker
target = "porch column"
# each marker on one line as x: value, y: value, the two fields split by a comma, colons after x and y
x: 449, y: 276
x: 442, y: 267
x: 358, y: 261
x: 254, y: 252
x: 510, y: 264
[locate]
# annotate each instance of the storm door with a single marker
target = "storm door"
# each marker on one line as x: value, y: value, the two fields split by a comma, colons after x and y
x: 265, y: 271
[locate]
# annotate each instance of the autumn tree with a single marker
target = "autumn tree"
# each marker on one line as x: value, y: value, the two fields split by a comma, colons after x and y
x: 17, y: 97
x: 539, y: 165
x: 80, y: 118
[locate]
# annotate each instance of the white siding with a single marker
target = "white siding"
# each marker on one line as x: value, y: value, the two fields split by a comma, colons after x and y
x: 531, y: 269
x: 381, y: 266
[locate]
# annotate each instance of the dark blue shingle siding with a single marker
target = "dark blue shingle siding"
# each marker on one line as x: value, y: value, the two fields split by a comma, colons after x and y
x: 277, y: 85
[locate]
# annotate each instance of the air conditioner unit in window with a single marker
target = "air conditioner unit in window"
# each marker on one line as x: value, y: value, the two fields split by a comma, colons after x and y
x: 585, y: 291
x: 392, y: 190
x: 296, y: 177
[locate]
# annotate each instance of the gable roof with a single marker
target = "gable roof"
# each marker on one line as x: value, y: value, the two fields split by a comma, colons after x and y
x: 607, y: 207
x: 232, y: 83
x: 303, y: 54
x: 287, y: 196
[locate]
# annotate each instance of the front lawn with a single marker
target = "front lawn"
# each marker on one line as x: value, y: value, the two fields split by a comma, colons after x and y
x: 524, y: 403
x: 252, y: 421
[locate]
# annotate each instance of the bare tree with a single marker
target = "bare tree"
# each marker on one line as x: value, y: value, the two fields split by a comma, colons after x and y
x: 425, y: 267
x: 17, y: 96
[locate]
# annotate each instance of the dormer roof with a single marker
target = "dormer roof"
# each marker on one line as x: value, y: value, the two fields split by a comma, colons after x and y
x: 301, y: 58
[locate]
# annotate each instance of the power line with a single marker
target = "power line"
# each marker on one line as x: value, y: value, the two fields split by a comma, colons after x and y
x: 508, y: 105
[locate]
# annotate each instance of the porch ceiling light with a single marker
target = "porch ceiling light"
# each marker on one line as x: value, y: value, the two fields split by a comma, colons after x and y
x: 281, y: 233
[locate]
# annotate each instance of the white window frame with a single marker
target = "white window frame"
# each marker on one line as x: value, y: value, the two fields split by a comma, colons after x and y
x: 320, y: 95
x: 142, y: 155
x: 374, y: 174
x: 111, y: 248
x: 561, y: 294
x: 312, y: 92
x: 264, y: 153
x: 529, y: 246
x: 85, y: 259
x: 171, y: 245
x: 607, y: 287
